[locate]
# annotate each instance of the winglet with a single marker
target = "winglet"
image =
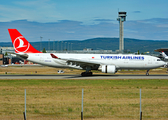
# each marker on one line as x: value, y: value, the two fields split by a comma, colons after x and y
x: 54, y: 56
x: 21, y: 45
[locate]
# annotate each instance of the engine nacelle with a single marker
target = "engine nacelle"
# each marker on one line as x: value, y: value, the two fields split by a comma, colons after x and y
x: 108, y: 69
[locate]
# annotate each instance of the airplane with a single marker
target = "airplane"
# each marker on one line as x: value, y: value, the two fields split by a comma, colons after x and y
x: 164, y: 55
x: 106, y: 63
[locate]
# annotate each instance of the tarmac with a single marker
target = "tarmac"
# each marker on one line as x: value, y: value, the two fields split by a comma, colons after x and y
x: 75, y: 76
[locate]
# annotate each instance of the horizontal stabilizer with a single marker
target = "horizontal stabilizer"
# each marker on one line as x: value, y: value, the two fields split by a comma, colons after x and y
x: 53, y: 56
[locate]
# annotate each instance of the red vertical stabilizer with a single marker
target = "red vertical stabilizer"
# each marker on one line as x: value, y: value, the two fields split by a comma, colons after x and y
x: 21, y: 45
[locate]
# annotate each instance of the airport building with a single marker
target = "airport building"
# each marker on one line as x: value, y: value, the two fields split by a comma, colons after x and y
x: 4, y: 50
x: 9, y: 60
x: 6, y: 58
x: 1, y: 59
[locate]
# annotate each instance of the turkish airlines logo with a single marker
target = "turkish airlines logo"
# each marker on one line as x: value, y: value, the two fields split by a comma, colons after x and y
x: 21, y: 44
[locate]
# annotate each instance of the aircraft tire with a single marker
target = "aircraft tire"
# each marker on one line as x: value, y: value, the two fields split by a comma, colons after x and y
x: 147, y: 74
x: 86, y: 74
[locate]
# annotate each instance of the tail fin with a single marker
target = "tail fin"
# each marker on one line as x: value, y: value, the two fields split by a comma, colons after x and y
x: 21, y: 45
x: 164, y: 55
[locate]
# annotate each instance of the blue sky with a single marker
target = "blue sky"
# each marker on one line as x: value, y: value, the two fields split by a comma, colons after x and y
x: 83, y: 19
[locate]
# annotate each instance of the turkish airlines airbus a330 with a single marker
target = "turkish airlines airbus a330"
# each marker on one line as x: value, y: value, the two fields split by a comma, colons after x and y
x: 107, y: 63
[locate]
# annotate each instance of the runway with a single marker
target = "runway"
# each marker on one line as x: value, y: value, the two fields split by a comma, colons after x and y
x: 35, y: 76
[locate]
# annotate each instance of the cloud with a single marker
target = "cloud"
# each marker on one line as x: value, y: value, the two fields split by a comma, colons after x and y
x: 61, y: 30
x: 163, y: 25
x: 38, y: 10
x: 150, y: 29
x: 136, y: 11
x: 103, y: 20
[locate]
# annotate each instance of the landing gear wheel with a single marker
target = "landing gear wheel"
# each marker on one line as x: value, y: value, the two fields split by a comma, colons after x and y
x: 147, y: 73
x: 90, y: 73
x: 86, y: 74
x: 83, y: 74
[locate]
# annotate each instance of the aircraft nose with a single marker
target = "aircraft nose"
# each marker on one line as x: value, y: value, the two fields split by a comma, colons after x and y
x: 164, y: 64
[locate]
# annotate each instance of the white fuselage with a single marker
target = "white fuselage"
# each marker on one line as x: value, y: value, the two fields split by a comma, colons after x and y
x: 120, y: 61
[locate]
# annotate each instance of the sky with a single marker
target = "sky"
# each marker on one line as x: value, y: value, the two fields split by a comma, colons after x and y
x: 83, y: 19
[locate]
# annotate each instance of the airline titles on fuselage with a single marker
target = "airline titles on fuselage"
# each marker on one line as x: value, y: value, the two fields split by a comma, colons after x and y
x: 123, y: 57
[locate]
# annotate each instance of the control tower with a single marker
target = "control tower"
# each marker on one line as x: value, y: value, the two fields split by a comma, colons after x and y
x: 121, y: 18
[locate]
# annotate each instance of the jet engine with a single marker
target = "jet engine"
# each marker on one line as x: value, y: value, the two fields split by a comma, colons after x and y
x: 109, y: 69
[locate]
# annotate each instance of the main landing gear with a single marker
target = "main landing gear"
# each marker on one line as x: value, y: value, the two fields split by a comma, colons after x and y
x: 87, y: 73
x: 147, y: 73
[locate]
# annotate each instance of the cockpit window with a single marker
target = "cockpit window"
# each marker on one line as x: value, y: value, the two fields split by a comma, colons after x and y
x: 158, y: 59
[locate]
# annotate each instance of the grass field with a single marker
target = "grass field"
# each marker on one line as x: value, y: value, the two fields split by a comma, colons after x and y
x: 103, y: 99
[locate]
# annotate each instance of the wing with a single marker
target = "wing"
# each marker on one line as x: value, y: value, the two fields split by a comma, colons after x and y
x: 79, y: 62
x: 22, y: 56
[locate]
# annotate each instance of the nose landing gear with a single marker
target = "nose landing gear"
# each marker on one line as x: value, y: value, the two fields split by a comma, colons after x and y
x: 147, y: 73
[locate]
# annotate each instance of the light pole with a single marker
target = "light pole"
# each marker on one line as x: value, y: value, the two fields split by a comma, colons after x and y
x: 54, y: 45
x: 61, y: 45
x: 71, y: 46
x: 41, y: 43
x: 48, y: 44
x: 58, y: 45
x: 68, y: 46
x: 65, y: 46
